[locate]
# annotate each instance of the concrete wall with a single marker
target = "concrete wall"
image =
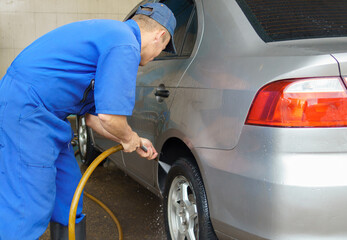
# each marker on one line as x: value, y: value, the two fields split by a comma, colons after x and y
x: 22, y: 21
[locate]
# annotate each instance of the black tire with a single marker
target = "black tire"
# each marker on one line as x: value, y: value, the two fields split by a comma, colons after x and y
x: 86, y: 148
x: 191, y: 216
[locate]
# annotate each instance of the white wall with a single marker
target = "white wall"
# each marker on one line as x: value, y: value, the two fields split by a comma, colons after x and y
x: 22, y: 21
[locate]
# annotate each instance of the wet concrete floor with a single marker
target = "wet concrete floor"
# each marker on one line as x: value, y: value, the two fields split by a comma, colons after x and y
x: 139, y: 212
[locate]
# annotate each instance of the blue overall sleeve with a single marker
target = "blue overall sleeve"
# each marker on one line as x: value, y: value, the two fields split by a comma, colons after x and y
x: 115, y: 80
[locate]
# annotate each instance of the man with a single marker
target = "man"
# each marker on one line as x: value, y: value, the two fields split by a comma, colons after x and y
x: 84, y: 67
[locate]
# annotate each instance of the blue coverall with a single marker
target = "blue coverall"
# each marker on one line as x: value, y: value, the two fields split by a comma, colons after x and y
x: 88, y: 66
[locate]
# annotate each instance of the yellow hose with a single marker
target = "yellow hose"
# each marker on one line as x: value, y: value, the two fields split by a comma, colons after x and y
x: 114, y: 218
x: 82, y: 183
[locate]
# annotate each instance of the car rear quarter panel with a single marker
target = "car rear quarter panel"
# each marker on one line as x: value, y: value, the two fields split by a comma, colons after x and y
x: 232, y: 63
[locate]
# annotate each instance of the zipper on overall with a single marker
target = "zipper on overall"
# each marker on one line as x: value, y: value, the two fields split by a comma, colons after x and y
x: 85, y: 95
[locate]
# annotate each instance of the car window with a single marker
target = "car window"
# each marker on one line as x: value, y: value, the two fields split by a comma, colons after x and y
x: 190, y: 37
x: 288, y: 20
x: 186, y: 28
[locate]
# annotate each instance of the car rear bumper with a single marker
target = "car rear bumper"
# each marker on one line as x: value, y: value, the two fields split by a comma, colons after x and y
x: 279, y: 184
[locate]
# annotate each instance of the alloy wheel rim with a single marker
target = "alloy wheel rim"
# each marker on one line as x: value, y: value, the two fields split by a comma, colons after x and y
x: 182, y: 210
x: 82, y: 138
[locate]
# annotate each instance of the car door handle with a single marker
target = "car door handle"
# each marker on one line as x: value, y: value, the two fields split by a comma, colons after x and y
x: 162, y: 93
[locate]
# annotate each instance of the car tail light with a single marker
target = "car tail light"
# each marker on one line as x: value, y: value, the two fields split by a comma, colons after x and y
x: 311, y: 102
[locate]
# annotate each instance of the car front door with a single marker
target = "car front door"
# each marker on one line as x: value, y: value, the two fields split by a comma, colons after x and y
x: 156, y: 84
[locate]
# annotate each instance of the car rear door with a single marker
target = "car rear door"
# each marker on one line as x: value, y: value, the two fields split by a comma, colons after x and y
x: 156, y: 85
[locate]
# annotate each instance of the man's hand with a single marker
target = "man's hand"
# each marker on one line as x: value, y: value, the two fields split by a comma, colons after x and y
x: 151, y: 152
x: 131, y: 144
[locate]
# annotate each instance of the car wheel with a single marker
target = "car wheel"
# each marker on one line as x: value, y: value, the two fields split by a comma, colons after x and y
x: 85, y: 145
x: 185, y: 204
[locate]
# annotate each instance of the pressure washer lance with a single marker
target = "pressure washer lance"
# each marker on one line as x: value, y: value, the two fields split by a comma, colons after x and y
x: 166, y: 167
x: 84, y: 179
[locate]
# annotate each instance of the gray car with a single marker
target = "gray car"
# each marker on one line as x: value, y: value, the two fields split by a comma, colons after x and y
x: 251, y: 117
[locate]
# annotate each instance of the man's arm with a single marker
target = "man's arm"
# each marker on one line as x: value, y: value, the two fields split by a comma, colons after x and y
x: 94, y: 122
x: 116, y: 128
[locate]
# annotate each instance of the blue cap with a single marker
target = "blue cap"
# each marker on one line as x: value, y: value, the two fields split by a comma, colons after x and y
x: 164, y: 16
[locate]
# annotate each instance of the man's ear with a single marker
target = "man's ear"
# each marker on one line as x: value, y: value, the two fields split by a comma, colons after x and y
x: 160, y: 35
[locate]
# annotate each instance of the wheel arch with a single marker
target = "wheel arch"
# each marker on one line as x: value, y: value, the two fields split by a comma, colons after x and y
x: 172, y: 149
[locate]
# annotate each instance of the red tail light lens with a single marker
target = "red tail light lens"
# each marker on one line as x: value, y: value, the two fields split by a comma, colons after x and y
x: 312, y: 102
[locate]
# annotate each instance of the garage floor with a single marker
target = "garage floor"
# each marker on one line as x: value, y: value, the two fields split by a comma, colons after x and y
x: 139, y: 211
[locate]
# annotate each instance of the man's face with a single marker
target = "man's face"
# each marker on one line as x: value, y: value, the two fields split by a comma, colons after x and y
x: 156, y: 46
